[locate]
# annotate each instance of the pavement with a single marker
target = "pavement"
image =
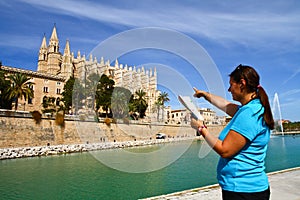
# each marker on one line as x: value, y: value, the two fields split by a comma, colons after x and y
x: 284, y: 185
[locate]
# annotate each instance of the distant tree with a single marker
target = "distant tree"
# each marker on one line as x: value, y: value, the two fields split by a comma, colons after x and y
x: 291, y: 126
x: 132, y: 108
x: 73, y: 94
x: 67, y: 93
x: 20, y: 87
x: 5, y: 102
x: 104, y: 93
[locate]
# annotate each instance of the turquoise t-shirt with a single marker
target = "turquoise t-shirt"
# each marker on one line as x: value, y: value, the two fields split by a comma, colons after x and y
x: 244, y: 172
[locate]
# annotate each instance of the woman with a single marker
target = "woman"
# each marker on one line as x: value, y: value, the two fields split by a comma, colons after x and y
x: 242, y: 144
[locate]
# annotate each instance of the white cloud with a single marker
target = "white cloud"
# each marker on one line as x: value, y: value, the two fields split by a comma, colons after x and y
x: 20, y: 41
x: 255, y: 29
x: 292, y: 76
x: 289, y: 93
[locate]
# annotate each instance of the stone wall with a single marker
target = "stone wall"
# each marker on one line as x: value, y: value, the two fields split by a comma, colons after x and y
x: 23, y: 131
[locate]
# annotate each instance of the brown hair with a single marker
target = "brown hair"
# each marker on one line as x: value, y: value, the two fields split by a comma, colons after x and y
x: 252, y: 85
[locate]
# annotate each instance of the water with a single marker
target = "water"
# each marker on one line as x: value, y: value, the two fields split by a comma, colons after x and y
x: 81, y: 176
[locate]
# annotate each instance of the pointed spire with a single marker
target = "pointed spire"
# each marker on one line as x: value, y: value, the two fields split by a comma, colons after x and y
x: 53, y: 42
x: 67, y: 48
x: 54, y: 34
x: 116, y: 63
x: 42, y: 56
x: 44, y: 43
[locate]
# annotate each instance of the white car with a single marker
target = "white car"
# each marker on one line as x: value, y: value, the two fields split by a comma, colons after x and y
x: 160, y: 136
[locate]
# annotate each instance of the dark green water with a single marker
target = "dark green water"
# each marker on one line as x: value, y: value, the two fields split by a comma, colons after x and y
x: 81, y: 176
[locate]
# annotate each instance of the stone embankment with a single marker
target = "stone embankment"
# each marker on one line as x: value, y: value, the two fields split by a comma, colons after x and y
x: 21, y: 136
x: 22, y: 152
x: 25, y: 132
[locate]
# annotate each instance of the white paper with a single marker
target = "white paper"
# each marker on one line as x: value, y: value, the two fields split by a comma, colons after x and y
x: 190, y: 106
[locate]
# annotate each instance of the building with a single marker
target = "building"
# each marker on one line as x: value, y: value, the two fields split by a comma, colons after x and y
x: 55, y: 68
x: 183, y: 116
x: 45, y: 85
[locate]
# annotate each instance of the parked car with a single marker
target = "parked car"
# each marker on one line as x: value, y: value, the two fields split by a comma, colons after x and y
x: 160, y: 136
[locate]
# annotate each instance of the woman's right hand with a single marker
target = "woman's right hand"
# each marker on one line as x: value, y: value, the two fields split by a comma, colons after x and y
x: 198, y: 93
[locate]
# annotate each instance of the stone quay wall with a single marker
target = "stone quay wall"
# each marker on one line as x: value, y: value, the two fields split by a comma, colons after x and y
x: 21, y: 136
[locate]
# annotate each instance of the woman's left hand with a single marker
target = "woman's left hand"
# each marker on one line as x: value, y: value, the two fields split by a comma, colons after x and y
x: 196, y: 123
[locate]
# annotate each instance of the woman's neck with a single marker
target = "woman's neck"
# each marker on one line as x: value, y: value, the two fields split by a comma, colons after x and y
x: 248, y: 97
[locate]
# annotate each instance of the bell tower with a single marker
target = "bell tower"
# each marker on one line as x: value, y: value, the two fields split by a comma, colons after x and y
x: 67, y: 66
x: 53, y: 55
x: 42, y: 60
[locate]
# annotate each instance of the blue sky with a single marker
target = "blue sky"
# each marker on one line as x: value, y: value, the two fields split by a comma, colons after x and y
x: 263, y: 34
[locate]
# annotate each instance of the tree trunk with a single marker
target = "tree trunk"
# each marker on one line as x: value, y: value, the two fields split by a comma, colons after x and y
x: 16, y: 103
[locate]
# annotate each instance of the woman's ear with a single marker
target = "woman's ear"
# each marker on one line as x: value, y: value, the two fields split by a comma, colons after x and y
x: 242, y: 84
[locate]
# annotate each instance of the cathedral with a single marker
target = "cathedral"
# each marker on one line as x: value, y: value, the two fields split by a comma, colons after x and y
x: 55, y: 68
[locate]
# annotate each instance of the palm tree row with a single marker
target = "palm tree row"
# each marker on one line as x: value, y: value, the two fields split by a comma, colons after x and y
x: 14, y: 87
x: 113, y: 100
x: 117, y: 102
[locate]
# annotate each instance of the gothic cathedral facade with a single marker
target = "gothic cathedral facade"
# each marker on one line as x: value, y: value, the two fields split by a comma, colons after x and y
x: 55, y: 68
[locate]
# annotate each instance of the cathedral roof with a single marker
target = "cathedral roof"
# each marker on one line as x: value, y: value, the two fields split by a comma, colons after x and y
x: 32, y: 73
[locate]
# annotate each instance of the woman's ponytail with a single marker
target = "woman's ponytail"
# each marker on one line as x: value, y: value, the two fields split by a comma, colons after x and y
x: 268, y: 117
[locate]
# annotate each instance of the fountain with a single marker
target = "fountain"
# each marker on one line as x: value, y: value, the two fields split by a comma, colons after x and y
x: 277, y: 115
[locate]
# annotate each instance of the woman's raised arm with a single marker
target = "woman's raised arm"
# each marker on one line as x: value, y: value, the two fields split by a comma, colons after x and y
x: 221, y: 103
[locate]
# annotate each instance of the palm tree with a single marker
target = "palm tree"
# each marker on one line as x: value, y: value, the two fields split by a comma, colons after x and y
x: 20, y: 87
x: 157, y: 109
x: 141, y: 103
x: 90, y: 89
x: 120, y: 102
x: 5, y: 102
x: 162, y: 98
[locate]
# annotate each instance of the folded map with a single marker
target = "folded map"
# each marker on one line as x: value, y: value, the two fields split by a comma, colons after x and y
x: 187, y: 102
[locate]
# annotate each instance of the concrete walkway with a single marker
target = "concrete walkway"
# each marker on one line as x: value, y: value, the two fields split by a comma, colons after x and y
x: 285, y: 185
